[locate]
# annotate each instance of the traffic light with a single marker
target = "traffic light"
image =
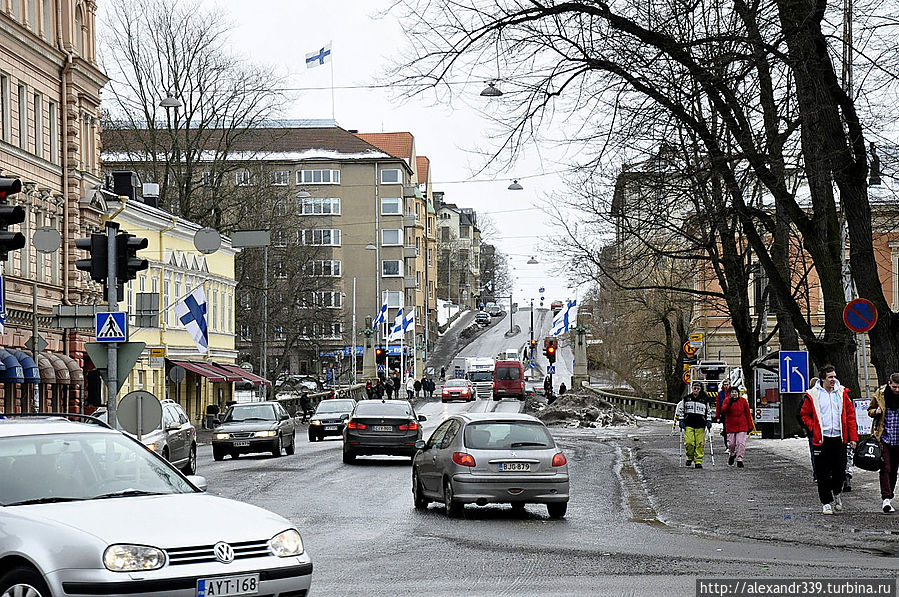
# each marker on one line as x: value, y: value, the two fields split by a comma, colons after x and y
x: 98, y: 263
x: 127, y: 261
x: 10, y: 215
x: 380, y: 356
x: 532, y: 349
x: 550, y: 346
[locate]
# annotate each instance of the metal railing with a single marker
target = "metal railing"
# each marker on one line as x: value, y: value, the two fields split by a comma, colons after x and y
x: 644, y: 407
x: 292, y: 402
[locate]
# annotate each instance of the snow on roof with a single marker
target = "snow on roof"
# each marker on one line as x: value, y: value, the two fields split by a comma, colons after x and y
x: 273, y: 156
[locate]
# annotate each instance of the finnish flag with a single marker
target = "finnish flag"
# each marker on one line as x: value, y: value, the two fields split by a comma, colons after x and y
x: 192, y: 313
x: 381, y: 317
x: 565, y: 319
x: 319, y: 57
x: 409, y: 321
x: 396, y: 330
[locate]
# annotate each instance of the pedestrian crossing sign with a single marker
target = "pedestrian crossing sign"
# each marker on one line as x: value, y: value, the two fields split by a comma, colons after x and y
x: 112, y: 326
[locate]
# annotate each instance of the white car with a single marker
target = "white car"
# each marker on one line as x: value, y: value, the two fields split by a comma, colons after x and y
x: 86, y: 510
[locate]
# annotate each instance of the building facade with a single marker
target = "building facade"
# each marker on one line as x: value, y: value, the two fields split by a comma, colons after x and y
x: 460, y: 254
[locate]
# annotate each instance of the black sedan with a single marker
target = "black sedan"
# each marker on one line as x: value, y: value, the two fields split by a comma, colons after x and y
x: 254, y: 427
x: 388, y: 427
x: 330, y: 418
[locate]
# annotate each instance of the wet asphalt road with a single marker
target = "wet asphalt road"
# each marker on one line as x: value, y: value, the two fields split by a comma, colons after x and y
x: 366, y: 538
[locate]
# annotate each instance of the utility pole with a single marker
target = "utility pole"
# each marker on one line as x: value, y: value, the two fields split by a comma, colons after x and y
x: 112, y: 382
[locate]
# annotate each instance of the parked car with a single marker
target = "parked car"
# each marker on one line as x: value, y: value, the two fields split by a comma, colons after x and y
x: 482, y: 318
x: 489, y: 458
x: 556, y: 306
x: 254, y: 427
x: 457, y: 389
x: 330, y: 418
x: 388, y: 427
x: 87, y: 510
x: 508, y: 380
x: 175, y: 439
x: 495, y: 311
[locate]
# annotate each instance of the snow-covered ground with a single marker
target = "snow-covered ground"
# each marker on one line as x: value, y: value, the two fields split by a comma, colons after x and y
x: 445, y: 310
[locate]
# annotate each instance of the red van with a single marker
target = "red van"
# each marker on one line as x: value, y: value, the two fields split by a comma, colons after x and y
x: 508, y: 380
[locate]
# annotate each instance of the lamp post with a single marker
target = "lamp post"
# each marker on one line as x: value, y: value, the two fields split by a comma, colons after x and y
x: 171, y: 103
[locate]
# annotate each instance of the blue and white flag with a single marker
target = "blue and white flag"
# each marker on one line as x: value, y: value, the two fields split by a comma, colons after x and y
x: 565, y: 319
x: 192, y: 313
x: 381, y: 317
x: 409, y: 321
x: 319, y: 57
x: 396, y: 330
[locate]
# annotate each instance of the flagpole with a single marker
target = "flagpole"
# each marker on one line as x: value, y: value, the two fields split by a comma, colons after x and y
x: 333, y: 117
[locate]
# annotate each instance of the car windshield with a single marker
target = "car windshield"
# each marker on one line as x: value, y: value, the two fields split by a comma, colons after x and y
x: 254, y: 412
x: 507, y: 373
x: 382, y: 409
x: 455, y: 383
x: 481, y: 376
x: 507, y: 435
x: 81, y: 466
x: 335, y: 406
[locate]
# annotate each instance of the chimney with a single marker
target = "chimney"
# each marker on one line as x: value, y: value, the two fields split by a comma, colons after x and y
x: 151, y: 194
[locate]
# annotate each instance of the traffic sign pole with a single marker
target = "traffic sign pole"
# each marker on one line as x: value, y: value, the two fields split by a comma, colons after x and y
x: 112, y: 384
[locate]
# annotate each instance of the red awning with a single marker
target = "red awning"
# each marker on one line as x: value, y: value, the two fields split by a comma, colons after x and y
x: 246, y: 375
x: 203, y: 369
x: 226, y: 373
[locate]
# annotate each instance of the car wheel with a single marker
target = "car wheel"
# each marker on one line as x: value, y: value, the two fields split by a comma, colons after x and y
x: 418, y: 496
x: 289, y: 450
x: 518, y: 507
x: 453, y: 508
x: 218, y: 454
x: 165, y: 453
x: 348, y: 457
x: 443, y: 401
x: 312, y: 437
x: 23, y: 582
x: 191, y: 467
x: 276, y: 447
x: 557, y: 509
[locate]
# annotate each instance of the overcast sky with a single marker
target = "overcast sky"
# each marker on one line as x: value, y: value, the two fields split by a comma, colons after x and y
x: 279, y: 33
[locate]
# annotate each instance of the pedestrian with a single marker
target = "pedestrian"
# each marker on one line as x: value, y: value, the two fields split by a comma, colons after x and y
x: 808, y: 432
x: 418, y: 385
x: 737, y: 411
x: 369, y: 389
x: 692, y: 414
x: 884, y: 410
x: 432, y: 385
x: 443, y: 373
x: 388, y: 387
x: 829, y: 412
x: 547, y: 385
x: 723, y: 395
x: 306, y: 405
x: 562, y: 389
x: 410, y: 388
x: 380, y: 389
x: 397, y: 384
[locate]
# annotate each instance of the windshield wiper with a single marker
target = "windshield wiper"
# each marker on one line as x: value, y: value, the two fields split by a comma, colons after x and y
x: 257, y: 419
x: 125, y: 493
x: 522, y: 444
x: 47, y: 500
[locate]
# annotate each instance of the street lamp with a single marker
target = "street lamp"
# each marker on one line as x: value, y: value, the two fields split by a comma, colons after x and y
x: 171, y: 103
x: 374, y: 247
x: 515, y: 186
x: 490, y: 90
x: 533, y: 261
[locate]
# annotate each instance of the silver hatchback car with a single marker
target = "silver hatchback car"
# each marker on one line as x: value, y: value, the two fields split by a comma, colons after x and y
x: 85, y: 510
x: 486, y: 458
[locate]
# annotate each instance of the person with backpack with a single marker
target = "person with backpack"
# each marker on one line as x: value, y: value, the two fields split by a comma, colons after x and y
x: 417, y: 386
x: 739, y: 424
x: 692, y: 414
x: 884, y: 410
x: 306, y: 406
x: 388, y: 388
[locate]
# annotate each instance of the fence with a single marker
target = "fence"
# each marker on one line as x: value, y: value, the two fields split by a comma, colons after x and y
x: 644, y: 407
x: 292, y: 401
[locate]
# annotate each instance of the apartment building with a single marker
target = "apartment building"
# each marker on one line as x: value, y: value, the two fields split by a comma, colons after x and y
x: 49, y: 138
x: 459, y: 239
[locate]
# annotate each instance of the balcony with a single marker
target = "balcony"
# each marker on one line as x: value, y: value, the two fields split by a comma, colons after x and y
x: 410, y: 282
x: 410, y: 252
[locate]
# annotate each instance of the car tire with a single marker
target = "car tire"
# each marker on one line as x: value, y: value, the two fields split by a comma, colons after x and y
x: 453, y: 508
x: 348, y: 457
x: 418, y: 496
x: 190, y: 467
x: 289, y: 450
x: 312, y: 437
x: 23, y: 581
x: 518, y: 508
x: 165, y: 454
x: 557, y: 509
x: 218, y: 454
x: 443, y: 401
x: 276, y: 447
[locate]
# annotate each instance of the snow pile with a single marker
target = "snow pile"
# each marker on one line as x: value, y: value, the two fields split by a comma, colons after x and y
x: 580, y: 410
x: 445, y: 310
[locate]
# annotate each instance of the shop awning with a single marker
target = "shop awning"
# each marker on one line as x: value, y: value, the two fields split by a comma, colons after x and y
x: 229, y: 375
x: 48, y: 373
x: 76, y: 373
x: 12, y: 371
x: 59, y: 366
x: 246, y: 375
x: 208, y: 370
x: 29, y: 367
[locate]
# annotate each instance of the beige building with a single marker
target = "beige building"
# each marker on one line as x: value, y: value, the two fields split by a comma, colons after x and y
x: 460, y: 245
x: 49, y: 139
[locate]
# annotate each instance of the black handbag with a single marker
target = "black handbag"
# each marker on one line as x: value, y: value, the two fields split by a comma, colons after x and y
x: 868, y: 455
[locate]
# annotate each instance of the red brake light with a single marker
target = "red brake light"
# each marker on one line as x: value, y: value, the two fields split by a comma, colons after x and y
x: 559, y: 459
x: 463, y: 459
x: 355, y: 425
x: 410, y: 426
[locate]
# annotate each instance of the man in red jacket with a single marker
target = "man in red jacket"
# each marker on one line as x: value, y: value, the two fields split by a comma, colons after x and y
x: 830, y: 415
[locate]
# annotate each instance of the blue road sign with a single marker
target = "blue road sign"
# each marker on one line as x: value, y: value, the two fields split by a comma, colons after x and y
x: 542, y: 290
x: 860, y: 315
x: 112, y: 326
x: 533, y: 365
x: 382, y: 368
x: 550, y: 369
x: 793, y: 370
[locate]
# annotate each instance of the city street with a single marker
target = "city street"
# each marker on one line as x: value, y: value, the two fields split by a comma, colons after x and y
x: 365, y: 537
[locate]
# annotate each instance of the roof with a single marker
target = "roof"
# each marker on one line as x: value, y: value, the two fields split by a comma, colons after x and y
x: 495, y: 416
x: 39, y: 425
x: 396, y: 144
x: 422, y: 164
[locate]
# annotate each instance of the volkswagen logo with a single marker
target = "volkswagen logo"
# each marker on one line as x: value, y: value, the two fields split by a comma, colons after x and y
x: 224, y: 553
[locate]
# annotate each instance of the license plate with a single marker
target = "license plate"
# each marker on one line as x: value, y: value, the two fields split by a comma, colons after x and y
x: 515, y: 467
x: 331, y: 428
x: 242, y: 444
x: 247, y: 584
x: 381, y: 428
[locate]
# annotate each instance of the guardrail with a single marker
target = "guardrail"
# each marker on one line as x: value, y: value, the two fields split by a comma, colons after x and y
x: 644, y: 407
x: 292, y: 402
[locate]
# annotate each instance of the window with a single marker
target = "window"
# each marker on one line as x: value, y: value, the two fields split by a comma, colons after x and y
x: 391, y: 206
x: 391, y: 177
x: 430, y: 256
x: 245, y: 333
x: 5, y: 108
x: 318, y: 206
x: 215, y: 308
x: 324, y: 237
x: 38, y: 125
x: 391, y: 237
x: 331, y: 329
x: 318, y: 177
x: 327, y: 267
x: 166, y: 299
x: 281, y: 207
x: 393, y: 298
x: 279, y: 178
x: 279, y: 238
x: 54, y: 132
x: 328, y: 298
x: 463, y: 231
x: 279, y: 271
x: 444, y: 233
x: 244, y: 178
x: 23, y: 117
x: 230, y: 311
x: 391, y: 267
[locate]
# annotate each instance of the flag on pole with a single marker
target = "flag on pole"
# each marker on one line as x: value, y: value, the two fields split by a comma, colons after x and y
x: 396, y: 330
x: 192, y: 313
x: 409, y: 321
x: 565, y: 319
x: 381, y: 317
x: 319, y: 57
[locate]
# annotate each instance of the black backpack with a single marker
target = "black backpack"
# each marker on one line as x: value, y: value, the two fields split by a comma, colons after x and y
x: 868, y: 455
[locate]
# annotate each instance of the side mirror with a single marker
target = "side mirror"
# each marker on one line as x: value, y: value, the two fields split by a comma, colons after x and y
x: 216, y: 421
x: 422, y: 418
x: 344, y: 416
x: 198, y: 481
x: 421, y: 445
x: 285, y: 417
x: 173, y: 427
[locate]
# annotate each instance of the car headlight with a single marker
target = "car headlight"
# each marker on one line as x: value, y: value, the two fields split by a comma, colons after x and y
x: 265, y: 434
x: 151, y: 447
x: 222, y: 436
x: 315, y: 422
x: 288, y: 543
x: 129, y: 558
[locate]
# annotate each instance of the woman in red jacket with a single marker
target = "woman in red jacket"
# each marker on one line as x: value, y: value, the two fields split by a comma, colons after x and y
x: 739, y: 424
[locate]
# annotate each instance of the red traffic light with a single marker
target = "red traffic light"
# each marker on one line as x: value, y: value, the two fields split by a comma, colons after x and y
x: 551, y: 349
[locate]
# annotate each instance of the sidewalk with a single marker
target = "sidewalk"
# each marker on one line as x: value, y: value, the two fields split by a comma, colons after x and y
x: 772, y: 499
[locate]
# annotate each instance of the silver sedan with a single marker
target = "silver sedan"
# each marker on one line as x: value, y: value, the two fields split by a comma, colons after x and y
x: 85, y: 510
x: 486, y: 458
